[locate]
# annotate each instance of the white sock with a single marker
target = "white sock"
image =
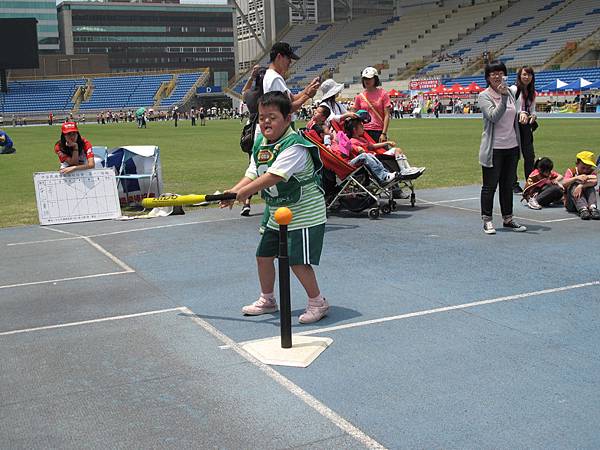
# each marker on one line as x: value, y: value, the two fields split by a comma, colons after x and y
x: 317, y: 301
x: 270, y: 296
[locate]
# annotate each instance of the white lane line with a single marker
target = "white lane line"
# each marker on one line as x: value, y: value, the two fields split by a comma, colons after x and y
x: 12, y: 244
x: 296, y: 390
x: 58, y: 280
x: 101, y: 249
x: 436, y: 310
x: 133, y: 230
x: 452, y: 201
x: 109, y: 255
x: 86, y: 322
x: 495, y: 214
x: 451, y: 308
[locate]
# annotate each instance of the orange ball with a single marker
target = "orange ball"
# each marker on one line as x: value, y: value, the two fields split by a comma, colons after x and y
x: 283, y: 216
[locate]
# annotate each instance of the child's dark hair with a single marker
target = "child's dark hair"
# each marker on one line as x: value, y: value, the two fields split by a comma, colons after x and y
x: 494, y: 66
x: 279, y: 99
x: 326, y: 109
x: 62, y: 144
x: 349, y: 125
x: 543, y: 165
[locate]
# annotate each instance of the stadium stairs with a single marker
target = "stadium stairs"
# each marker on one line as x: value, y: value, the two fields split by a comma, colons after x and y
x: 300, y: 37
x: 461, y: 24
x: 574, y: 22
x: 568, y: 58
x: 515, y: 22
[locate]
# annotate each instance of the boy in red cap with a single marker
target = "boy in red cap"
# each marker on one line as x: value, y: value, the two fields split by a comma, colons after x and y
x: 73, y: 150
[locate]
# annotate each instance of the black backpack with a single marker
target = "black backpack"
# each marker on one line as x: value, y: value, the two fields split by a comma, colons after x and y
x: 252, y: 97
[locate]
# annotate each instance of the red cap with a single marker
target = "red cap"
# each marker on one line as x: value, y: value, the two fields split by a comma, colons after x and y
x: 69, y: 127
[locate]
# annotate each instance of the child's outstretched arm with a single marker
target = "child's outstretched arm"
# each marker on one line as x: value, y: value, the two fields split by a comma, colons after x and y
x: 265, y: 181
x: 240, y: 184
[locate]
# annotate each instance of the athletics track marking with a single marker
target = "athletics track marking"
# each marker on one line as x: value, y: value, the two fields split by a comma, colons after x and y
x: 288, y: 385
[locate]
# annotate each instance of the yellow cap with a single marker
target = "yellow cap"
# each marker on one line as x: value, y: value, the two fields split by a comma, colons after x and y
x: 587, y: 158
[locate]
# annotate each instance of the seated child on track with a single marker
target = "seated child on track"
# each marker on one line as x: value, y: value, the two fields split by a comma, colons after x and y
x: 543, y: 185
x: 580, y: 183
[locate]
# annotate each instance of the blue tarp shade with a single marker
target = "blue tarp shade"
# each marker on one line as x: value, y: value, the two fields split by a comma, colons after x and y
x: 576, y: 85
x: 552, y: 86
x: 595, y: 85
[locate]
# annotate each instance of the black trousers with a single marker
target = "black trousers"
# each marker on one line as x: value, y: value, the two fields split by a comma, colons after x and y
x: 502, y: 174
x: 549, y: 194
x: 527, y: 149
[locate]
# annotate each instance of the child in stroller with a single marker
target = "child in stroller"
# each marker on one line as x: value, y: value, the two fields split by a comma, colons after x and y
x: 355, y: 188
x: 387, y: 151
x: 359, y: 157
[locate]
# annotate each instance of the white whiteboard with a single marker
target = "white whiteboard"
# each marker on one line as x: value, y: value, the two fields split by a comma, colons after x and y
x: 78, y: 196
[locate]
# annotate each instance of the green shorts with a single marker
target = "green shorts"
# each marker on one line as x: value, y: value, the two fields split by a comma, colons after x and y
x: 304, y: 245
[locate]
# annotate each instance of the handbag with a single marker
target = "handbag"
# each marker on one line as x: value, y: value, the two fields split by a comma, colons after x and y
x: 247, y: 137
x: 534, y: 126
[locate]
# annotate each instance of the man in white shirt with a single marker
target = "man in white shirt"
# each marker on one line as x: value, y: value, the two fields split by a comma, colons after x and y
x: 281, y: 57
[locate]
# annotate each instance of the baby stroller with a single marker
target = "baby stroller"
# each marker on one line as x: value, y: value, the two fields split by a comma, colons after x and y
x: 391, y: 164
x: 352, y: 188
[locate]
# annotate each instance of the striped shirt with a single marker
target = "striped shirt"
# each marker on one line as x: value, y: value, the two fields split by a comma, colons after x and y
x: 310, y: 210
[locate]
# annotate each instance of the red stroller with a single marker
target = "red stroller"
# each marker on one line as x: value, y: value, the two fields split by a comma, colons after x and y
x: 390, y: 163
x: 349, y: 187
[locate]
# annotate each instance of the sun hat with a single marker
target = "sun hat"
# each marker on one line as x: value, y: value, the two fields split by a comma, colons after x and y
x: 329, y: 88
x: 69, y: 127
x: 363, y: 115
x: 587, y: 158
x: 369, y: 72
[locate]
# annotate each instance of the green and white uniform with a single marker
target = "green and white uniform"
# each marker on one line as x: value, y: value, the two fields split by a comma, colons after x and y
x: 296, y: 161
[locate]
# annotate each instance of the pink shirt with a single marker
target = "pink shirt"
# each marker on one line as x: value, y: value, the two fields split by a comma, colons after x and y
x: 504, y: 129
x: 570, y: 174
x: 380, y: 101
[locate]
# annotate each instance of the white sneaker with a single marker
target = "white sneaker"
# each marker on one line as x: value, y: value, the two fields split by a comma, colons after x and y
x: 260, y: 306
x: 488, y: 227
x: 533, y: 203
x: 314, y: 313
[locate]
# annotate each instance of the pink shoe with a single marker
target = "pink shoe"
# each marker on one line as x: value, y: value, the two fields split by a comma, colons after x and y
x: 314, y: 313
x: 260, y: 306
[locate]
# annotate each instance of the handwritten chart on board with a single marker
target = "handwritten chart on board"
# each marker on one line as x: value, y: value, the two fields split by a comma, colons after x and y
x: 78, y: 196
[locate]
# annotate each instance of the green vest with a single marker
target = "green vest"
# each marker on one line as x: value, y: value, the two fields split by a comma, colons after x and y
x: 265, y: 154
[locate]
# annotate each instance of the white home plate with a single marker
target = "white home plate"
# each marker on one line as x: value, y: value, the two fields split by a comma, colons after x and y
x: 305, y: 349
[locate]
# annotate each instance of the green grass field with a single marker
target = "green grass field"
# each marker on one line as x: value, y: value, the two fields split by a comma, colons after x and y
x: 203, y: 159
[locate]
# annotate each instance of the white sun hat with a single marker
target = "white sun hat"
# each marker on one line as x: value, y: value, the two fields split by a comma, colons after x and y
x: 329, y: 88
x: 370, y: 72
